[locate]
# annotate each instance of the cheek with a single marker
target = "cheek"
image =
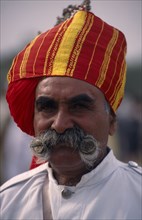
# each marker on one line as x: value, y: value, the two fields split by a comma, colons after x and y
x: 40, y: 124
x: 99, y: 128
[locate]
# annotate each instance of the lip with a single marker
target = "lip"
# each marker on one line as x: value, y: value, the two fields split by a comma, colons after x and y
x: 63, y: 146
x: 64, y: 154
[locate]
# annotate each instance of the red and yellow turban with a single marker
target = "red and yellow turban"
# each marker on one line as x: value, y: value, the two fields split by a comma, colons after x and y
x: 82, y: 47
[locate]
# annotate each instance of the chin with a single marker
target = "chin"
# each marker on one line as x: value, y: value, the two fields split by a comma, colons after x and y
x: 65, y: 159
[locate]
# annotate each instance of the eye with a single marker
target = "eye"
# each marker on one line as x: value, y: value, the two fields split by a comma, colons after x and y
x: 46, y: 108
x: 45, y: 105
x: 81, y: 103
x: 80, y: 106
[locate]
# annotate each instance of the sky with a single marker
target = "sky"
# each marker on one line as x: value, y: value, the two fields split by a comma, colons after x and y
x: 21, y: 20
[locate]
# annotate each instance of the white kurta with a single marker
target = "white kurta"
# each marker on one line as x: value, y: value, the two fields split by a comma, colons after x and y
x: 112, y: 191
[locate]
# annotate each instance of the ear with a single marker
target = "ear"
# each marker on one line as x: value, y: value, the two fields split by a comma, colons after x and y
x: 113, y: 125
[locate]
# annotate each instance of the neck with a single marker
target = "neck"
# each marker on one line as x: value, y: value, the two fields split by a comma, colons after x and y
x: 67, y: 180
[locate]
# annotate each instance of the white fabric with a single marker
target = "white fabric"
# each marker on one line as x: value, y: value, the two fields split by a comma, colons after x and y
x: 111, y: 191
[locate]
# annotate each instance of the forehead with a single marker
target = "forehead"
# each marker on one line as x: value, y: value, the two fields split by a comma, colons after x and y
x: 66, y: 87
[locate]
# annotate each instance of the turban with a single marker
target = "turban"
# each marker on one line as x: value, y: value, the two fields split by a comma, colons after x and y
x: 83, y: 47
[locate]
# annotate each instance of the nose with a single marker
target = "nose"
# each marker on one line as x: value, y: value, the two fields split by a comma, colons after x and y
x: 62, y: 121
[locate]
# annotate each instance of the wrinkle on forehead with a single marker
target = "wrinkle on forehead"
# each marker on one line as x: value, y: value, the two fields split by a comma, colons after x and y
x: 67, y: 85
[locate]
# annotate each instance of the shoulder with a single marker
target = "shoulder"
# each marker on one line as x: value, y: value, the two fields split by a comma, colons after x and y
x: 131, y: 167
x: 128, y: 168
x: 20, y: 192
x: 126, y: 177
x: 135, y: 167
x: 21, y: 178
x: 130, y: 173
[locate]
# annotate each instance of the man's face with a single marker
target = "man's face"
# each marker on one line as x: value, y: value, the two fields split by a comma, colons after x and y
x: 63, y: 103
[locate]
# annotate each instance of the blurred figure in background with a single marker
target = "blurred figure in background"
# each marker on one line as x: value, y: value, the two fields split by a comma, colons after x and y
x: 15, y: 155
x: 130, y: 129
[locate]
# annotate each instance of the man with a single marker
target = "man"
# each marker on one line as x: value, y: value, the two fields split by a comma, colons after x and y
x: 64, y: 89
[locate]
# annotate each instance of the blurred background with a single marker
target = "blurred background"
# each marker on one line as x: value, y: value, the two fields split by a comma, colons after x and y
x: 20, y: 23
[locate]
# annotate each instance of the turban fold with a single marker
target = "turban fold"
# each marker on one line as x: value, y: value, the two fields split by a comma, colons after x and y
x: 83, y: 47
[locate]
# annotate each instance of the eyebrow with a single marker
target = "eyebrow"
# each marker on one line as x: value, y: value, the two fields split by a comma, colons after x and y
x: 81, y: 98
x: 44, y: 101
x: 73, y: 100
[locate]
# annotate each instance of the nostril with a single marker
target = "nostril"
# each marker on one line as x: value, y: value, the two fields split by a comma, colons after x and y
x: 61, y: 125
x: 60, y: 129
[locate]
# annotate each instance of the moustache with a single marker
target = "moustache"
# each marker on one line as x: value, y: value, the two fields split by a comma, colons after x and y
x: 75, y: 138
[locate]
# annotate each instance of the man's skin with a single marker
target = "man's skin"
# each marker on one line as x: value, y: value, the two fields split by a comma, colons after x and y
x: 62, y: 103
